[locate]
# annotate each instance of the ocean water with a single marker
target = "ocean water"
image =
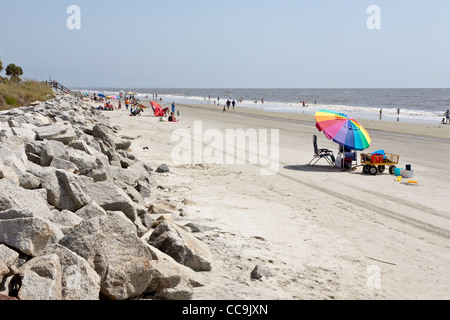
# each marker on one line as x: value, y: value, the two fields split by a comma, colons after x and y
x: 416, y: 105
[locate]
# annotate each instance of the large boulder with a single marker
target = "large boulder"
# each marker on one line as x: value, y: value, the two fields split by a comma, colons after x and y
x: 29, y: 235
x: 25, y: 133
x: 64, y: 189
x: 13, y: 196
x: 62, y: 133
x: 64, y: 220
x: 40, y: 279
x: 28, y: 180
x: 13, y: 162
x: 171, y: 280
x: 111, y: 197
x: 114, y: 251
x: 107, y: 134
x: 91, y: 210
x: 181, y: 246
x: 52, y: 149
x: 83, y: 160
x: 79, y: 281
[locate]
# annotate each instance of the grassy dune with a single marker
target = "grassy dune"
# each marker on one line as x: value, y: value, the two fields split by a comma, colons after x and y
x: 13, y: 95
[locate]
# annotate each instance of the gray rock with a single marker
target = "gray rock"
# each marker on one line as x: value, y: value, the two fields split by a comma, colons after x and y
x: 29, y: 181
x: 65, y: 220
x: 64, y: 189
x: 13, y: 162
x: 112, y: 248
x: 144, y: 188
x: 62, y: 133
x: 28, y: 235
x: 34, y: 147
x: 111, y: 197
x: 25, y: 133
x: 40, y: 279
x: 97, y: 175
x: 53, y: 149
x: 63, y: 165
x: 259, y: 272
x: 81, y: 159
x: 126, y: 176
x: 169, y: 282
x: 162, y: 168
x: 107, y: 134
x: 79, y: 281
x: 82, y: 146
x: 13, y: 196
x: 181, y: 246
x: 90, y: 210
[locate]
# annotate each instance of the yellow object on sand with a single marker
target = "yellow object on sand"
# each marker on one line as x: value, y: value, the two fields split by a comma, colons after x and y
x: 399, y: 178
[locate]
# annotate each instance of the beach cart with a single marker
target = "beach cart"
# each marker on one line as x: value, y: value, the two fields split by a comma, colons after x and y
x: 375, y: 163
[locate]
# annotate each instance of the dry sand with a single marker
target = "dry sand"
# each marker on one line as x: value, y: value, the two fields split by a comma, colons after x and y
x: 324, y: 233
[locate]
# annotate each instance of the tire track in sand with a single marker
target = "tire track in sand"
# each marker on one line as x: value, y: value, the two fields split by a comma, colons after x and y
x: 422, y: 225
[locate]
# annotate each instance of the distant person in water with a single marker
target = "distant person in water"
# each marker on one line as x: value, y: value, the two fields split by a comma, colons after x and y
x: 398, y: 111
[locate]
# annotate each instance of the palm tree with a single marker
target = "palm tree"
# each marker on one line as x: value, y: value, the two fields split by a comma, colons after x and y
x: 14, y: 72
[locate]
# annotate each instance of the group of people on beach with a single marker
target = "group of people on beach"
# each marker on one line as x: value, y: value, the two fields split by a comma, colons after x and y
x: 446, y: 118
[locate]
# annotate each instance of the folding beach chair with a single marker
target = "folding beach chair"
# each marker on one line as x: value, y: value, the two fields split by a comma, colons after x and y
x: 321, y: 154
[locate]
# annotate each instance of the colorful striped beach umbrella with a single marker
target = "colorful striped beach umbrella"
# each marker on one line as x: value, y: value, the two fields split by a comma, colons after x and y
x: 112, y: 97
x: 342, y: 129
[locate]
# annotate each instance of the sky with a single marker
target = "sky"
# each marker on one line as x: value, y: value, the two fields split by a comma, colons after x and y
x: 229, y: 44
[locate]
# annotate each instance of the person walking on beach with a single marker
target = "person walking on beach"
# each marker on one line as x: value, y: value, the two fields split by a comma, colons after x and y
x: 173, y: 106
x: 127, y: 103
x: 447, y: 117
x: 228, y: 104
x: 233, y: 103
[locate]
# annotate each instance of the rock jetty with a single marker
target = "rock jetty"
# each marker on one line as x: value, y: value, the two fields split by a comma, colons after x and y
x: 76, y: 218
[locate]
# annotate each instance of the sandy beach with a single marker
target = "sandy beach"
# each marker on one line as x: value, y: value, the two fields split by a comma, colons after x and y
x: 322, y: 232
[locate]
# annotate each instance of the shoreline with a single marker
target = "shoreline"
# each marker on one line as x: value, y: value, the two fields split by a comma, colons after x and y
x: 409, y: 111
x: 418, y: 129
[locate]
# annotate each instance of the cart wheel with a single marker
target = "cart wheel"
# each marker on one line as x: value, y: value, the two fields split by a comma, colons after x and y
x: 392, y: 169
x: 373, y: 170
x: 381, y: 168
x: 366, y: 168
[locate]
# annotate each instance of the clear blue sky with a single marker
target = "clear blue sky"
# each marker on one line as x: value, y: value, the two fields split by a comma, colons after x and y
x: 229, y: 44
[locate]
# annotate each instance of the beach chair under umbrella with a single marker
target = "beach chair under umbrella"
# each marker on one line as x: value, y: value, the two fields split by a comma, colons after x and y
x: 343, y: 130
